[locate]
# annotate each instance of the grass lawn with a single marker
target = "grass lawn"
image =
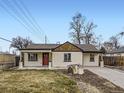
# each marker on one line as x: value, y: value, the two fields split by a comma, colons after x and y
x: 36, y: 81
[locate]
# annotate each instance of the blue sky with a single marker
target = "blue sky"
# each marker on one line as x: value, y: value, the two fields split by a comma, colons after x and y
x: 54, y: 17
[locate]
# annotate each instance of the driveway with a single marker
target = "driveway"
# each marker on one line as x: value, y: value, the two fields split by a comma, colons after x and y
x: 115, y: 76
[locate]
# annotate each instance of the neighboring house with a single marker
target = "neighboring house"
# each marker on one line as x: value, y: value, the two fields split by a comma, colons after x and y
x: 118, y: 52
x: 59, y: 55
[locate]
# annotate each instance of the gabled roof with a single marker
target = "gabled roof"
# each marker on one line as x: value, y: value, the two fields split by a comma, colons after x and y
x: 70, y: 44
x: 82, y: 47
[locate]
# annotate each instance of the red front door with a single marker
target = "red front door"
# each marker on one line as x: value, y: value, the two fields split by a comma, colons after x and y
x: 45, y: 58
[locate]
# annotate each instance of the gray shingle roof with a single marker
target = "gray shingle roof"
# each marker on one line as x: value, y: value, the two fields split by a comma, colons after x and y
x: 88, y: 47
x: 120, y: 50
x: 83, y: 47
x: 42, y: 46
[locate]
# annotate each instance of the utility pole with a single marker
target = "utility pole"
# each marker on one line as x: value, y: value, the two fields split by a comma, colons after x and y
x: 45, y: 39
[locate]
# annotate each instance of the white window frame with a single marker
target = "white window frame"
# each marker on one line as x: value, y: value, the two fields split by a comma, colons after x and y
x: 32, y: 57
x: 67, y: 57
x: 93, y: 58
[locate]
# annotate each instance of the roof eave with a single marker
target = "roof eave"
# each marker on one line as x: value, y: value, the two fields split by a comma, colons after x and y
x: 35, y: 49
x: 92, y: 52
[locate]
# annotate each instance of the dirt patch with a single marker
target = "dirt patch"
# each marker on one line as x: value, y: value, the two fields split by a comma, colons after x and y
x: 92, y: 83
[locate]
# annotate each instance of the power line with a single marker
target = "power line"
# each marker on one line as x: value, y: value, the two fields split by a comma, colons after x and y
x: 28, y: 12
x: 21, y: 6
x: 31, y: 17
x: 16, y: 15
x: 25, y: 14
x: 5, y: 39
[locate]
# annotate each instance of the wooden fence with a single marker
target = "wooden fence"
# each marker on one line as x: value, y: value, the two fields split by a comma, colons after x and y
x: 7, y: 60
x: 114, y: 60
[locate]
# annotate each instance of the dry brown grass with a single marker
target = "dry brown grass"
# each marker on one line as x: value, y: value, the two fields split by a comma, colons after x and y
x: 87, y: 88
x: 36, y: 81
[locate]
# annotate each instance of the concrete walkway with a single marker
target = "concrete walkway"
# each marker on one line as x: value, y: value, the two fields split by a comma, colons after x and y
x: 115, y: 76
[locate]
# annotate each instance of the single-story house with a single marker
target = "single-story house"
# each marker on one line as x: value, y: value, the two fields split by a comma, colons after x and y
x: 59, y: 55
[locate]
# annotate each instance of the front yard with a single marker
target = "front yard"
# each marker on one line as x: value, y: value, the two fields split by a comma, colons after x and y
x: 36, y: 81
x: 59, y: 81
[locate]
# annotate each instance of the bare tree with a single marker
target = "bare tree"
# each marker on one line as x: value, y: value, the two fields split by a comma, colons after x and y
x: 121, y: 33
x: 20, y: 42
x: 108, y: 46
x: 112, y: 44
x: 97, y: 41
x: 88, y: 34
x: 76, y: 25
x: 115, y: 41
x: 82, y: 30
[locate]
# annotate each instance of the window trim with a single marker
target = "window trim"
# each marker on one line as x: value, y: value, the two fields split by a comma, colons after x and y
x: 92, y: 59
x: 68, y: 59
x: 35, y: 55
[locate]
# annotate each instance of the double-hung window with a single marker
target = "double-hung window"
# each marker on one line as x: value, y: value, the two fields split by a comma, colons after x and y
x: 32, y: 57
x: 91, y: 57
x: 67, y: 57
